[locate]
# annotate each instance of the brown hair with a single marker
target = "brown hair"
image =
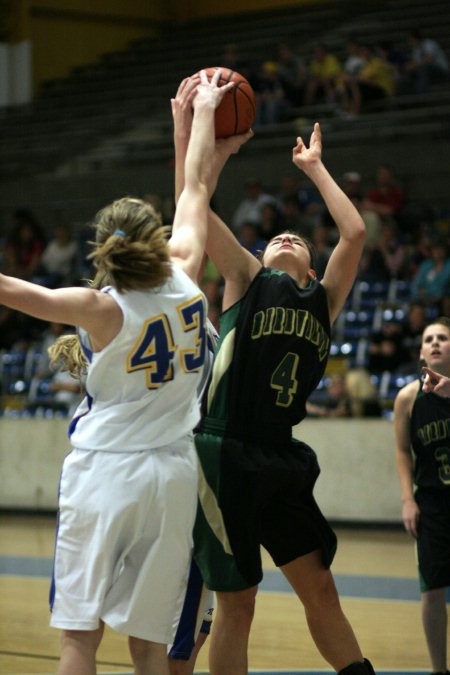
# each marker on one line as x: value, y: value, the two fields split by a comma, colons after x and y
x: 130, y: 253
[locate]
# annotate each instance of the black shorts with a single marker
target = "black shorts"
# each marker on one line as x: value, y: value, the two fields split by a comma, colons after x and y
x: 254, y: 494
x: 433, y: 541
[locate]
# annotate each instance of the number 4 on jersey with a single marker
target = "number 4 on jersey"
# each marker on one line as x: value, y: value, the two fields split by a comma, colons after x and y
x: 284, y: 379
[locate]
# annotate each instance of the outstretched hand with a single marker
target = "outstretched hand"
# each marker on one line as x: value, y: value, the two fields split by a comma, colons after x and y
x: 182, y: 111
x: 208, y: 91
x: 305, y: 157
x: 435, y: 382
x: 194, y: 91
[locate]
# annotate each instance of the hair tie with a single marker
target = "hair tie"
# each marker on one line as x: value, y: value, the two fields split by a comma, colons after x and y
x: 120, y: 233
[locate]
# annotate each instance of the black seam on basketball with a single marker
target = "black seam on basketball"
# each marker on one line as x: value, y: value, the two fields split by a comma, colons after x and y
x: 244, y: 93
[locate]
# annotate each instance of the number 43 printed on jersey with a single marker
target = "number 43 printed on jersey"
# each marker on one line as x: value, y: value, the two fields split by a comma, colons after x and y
x: 155, y: 350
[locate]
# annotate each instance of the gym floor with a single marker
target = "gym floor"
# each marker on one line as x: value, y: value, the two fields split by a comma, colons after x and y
x: 374, y: 570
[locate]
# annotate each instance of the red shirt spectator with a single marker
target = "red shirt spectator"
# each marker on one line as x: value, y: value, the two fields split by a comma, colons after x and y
x: 386, y: 198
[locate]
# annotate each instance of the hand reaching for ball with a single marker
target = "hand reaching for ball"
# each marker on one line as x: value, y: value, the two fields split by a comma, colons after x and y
x: 209, y: 92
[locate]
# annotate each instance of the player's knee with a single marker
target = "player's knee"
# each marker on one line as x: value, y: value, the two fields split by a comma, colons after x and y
x: 142, y: 651
x: 238, y: 607
x: 322, y: 594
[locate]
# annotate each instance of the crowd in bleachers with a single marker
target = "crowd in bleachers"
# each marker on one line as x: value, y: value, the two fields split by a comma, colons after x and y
x: 348, y: 79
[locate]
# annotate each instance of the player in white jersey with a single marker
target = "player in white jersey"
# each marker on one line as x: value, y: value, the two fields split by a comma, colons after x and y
x: 128, y: 490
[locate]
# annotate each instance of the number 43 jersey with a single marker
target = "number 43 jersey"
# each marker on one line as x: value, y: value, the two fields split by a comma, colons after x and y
x: 272, y: 352
x: 142, y: 387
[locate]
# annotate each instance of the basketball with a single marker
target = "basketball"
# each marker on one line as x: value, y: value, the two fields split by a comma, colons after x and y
x: 236, y: 111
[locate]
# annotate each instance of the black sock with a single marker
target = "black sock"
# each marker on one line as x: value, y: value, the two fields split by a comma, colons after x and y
x: 358, y: 668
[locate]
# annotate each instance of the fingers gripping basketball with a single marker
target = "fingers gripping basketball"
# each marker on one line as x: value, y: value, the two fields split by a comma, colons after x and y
x: 236, y: 112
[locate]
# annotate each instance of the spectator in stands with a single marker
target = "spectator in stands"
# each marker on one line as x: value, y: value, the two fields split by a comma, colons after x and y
x: 432, y: 280
x: 335, y: 402
x: 249, y: 208
x: 24, y: 245
x: 292, y: 73
x: 411, y: 336
x: 362, y: 393
x: 50, y: 387
x: 386, y: 258
x: 250, y: 239
x: 233, y: 59
x: 12, y: 329
x: 387, y: 197
x: 351, y: 394
x: 272, y: 222
x: 271, y: 101
x: 386, y: 351
x: 375, y: 81
x: 58, y: 261
x: 323, y: 247
x: 323, y: 74
x: 294, y: 219
x: 427, y: 63
x: 356, y: 59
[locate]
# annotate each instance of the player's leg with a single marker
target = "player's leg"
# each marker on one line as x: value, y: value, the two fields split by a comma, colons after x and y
x: 149, y: 658
x: 230, y: 632
x: 186, y: 667
x: 329, y: 627
x: 434, y: 620
x: 192, y: 623
x: 78, y: 650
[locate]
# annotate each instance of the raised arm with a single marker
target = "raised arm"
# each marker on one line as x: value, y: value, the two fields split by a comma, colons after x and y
x: 404, y: 458
x: 342, y: 266
x: 236, y: 265
x: 190, y: 222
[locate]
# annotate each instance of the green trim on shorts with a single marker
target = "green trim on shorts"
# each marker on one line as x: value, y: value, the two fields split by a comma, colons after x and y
x: 212, y: 551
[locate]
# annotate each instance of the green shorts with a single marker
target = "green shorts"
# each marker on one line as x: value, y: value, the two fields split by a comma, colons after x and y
x: 253, y: 495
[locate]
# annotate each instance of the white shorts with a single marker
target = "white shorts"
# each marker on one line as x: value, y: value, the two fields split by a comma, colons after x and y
x: 124, y: 540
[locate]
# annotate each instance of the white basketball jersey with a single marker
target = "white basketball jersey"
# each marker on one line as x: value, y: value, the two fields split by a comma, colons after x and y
x: 142, y: 388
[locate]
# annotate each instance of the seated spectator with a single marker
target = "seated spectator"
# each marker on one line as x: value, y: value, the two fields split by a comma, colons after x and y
x: 323, y: 248
x: 53, y: 388
x: 249, y: 208
x: 427, y: 63
x: 59, y: 258
x: 272, y: 222
x: 292, y: 73
x: 411, y: 336
x: 250, y: 239
x: 387, y: 197
x: 335, y: 402
x: 323, y: 73
x: 23, y: 246
x: 350, y: 394
x: 386, y: 349
x: 386, y: 258
x: 352, y: 186
x: 355, y: 60
x: 271, y: 101
x: 373, y: 82
x: 362, y: 394
x: 432, y: 280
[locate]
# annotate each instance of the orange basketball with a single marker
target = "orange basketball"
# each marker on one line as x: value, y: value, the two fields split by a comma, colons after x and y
x: 236, y: 111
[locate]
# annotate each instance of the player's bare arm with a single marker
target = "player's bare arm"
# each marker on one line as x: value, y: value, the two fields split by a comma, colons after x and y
x: 404, y: 458
x: 342, y: 267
